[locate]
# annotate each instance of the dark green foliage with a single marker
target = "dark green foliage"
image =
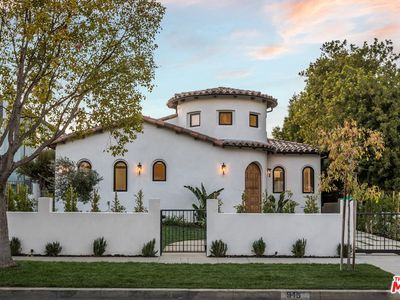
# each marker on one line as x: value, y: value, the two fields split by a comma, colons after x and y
x: 202, y: 196
x: 53, y: 249
x: 351, y: 82
x: 345, y: 250
x: 218, y: 248
x: 99, y: 246
x: 41, y: 170
x: 148, y: 249
x: 285, y: 204
x: 259, y: 247
x: 17, y: 198
x: 15, y: 246
x: 68, y: 175
x: 311, y: 206
x: 173, y: 220
x: 70, y: 200
x: 299, y: 248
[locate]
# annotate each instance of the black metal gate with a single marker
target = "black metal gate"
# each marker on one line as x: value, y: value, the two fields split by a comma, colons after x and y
x: 378, y: 232
x: 183, y: 230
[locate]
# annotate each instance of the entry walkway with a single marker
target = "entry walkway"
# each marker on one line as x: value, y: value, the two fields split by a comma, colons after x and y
x: 387, y: 262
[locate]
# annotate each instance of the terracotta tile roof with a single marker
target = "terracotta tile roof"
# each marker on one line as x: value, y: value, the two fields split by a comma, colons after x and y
x: 222, y: 91
x: 272, y: 145
x: 169, y: 117
x: 281, y: 146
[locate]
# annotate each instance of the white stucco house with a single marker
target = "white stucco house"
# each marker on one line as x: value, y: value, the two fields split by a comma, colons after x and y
x: 216, y: 137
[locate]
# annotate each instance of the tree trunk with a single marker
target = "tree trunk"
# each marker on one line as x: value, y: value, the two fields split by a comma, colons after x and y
x: 343, y: 231
x: 354, y: 233
x: 5, y: 252
x: 348, y: 234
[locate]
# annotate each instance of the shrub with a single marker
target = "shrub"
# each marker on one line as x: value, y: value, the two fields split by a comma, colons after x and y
x: 70, y: 200
x: 259, y: 247
x: 174, y: 220
x: 345, y: 250
x: 241, y: 208
x: 116, y: 205
x: 15, y: 246
x: 53, y: 249
x: 311, y: 206
x: 299, y: 248
x: 218, y: 248
x: 17, y: 198
x: 95, y: 201
x: 284, y: 204
x: 148, y: 249
x: 99, y: 246
x: 139, y: 207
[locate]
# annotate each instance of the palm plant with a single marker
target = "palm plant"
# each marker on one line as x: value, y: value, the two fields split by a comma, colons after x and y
x: 202, y: 196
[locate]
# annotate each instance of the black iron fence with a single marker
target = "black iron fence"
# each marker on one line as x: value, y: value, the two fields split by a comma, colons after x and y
x: 183, y: 230
x: 378, y: 232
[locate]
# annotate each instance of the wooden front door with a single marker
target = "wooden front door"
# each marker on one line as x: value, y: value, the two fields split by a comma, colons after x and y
x: 252, y: 188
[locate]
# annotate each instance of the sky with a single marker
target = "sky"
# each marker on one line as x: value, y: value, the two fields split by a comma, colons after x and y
x: 258, y: 45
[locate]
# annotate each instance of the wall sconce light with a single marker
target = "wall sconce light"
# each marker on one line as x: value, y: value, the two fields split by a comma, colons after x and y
x: 223, y: 168
x: 269, y: 171
x: 139, y: 168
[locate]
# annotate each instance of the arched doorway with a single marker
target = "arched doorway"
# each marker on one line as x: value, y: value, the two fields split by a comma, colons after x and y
x: 252, y: 188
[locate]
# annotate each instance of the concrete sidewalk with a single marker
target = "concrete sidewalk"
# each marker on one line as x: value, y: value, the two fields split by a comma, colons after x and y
x: 388, y: 262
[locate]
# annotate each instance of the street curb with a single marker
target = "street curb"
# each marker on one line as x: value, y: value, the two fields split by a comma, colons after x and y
x: 190, y: 294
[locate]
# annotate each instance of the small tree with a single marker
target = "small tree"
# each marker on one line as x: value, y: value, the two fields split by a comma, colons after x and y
x: 241, y: 208
x: 70, y: 200
x: 116, y: 205
x: 139, y: 207
x: 311, y: 206
x: 95, y: 201
x: 347, y: 146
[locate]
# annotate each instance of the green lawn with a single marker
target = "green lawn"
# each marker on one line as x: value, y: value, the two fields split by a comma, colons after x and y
x: 154, y: 275
x: 175, y: 233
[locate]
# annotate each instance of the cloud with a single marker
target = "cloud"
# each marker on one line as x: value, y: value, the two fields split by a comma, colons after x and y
x: 267, y: 52
x: 302, y: 22
x: 235, y: 74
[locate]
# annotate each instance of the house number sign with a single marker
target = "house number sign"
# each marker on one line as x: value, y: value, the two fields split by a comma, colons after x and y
x: 295, y: 295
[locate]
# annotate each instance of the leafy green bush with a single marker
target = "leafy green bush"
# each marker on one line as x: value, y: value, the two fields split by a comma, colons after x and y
x: 284, y: 204
x: 173, y: 220
x: 345, y: 250
x: 99, y: 246
x: 17, y: 198
x: 53, y: 249
x: 259, y: 247
x: 116, y: 205
x: 148, y: 249
x: 70, y: 200
x: 218, y: 248
x: 139, y: 207
x: 299, y: 248
x: 15, y: 246
x: 311, y: 206
x: 94, y: 203
x: 241, y: 208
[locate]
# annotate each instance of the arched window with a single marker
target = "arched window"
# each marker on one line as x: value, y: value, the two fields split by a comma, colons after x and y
x: 120, y: 177
x: 84, y: 165
x: 308, y: 180
x: 159, y: 171
x: 278, y: 179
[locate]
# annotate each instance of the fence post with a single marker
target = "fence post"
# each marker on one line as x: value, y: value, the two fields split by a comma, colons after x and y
x: 45, y: 205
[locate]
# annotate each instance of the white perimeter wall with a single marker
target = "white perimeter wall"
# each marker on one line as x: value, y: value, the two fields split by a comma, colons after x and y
x: 279, y: 231
x: 125, y: 233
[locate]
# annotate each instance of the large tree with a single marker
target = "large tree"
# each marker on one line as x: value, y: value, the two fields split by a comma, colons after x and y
x: 351, y: 82
x: 71, y: 65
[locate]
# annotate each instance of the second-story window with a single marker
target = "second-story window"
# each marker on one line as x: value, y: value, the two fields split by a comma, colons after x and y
x: 253, y: 120
x: 194, y: 119
x: 225, y: 118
